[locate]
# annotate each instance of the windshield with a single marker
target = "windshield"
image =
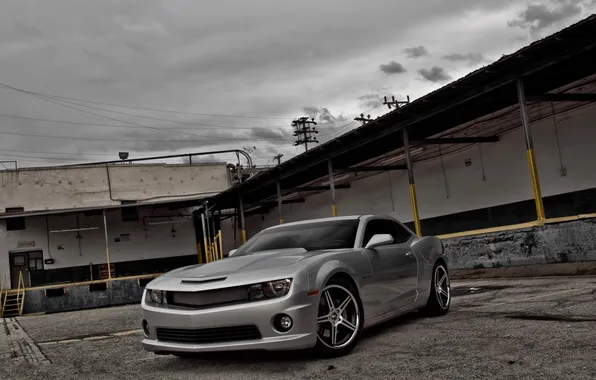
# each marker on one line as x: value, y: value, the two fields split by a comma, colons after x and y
x: 336, y: 234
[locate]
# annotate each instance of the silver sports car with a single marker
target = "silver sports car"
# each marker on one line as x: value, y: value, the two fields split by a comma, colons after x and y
x: 310, y: 284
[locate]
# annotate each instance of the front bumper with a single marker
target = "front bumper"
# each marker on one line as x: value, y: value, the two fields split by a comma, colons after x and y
x: 302, y: 310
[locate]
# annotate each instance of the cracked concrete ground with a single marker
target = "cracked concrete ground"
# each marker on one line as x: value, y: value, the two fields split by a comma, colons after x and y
x: 497, y: 329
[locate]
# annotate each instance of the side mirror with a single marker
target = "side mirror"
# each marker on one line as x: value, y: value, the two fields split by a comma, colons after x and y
x: 379, y: 240
x: 232, y: 252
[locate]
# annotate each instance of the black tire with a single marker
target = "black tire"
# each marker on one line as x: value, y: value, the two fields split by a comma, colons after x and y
x: 323, y: 349
x: 435, y: 306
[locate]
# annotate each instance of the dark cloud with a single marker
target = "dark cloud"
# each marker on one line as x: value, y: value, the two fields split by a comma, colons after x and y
x: 279, y: 134
x: 323, y: 115
x: 416, y: 52
x: 370, y: 101
x: 392, y: 68
x: 435, y: 74
x: 540, y: 16
x: 471, y: 58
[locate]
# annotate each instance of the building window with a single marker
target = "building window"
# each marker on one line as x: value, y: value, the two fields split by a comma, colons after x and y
x: 15, y: 224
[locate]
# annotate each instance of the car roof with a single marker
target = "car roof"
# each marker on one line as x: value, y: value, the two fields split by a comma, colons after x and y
x: 317, y: 220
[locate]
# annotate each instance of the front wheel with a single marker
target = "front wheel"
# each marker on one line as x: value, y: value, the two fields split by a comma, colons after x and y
x: 439, y: 299
x: 340, y: 319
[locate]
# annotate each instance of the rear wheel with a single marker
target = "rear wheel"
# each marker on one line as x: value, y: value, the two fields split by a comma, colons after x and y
x: 340, y: 319
x: 439, y: 299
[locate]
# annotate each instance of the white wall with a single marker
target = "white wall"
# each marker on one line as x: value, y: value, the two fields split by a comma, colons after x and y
x: 156, y: 241
x: 75, y: 187
x: 505, y: 166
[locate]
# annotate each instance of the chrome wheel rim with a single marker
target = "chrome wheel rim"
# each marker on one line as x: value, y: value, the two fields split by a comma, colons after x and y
x: 442, y: 287
x: 338, y: 319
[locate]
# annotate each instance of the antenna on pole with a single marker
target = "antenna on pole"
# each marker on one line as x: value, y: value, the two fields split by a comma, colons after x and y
x: 303, y: 131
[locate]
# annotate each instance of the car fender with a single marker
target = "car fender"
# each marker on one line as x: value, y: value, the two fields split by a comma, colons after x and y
x: 331, y: 268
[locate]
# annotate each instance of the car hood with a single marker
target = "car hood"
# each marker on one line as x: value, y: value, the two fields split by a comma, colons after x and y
x: 235, y: 270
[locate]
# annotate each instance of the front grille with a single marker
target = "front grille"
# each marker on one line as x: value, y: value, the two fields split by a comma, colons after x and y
x: 210, y: 335
x: 208, y: 297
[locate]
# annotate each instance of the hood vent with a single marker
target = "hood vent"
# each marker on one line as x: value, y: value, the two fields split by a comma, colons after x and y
x: 201, y: 281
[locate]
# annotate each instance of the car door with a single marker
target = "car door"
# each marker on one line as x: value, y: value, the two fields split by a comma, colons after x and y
x: 394, y: 268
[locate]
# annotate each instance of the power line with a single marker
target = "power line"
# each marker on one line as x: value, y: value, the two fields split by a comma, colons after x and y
x: 127, y: 122
x: 110, y: 125
x: 129, y: 140
x: 63, y: 153
x: 157, y: 118
x: 151, y: 109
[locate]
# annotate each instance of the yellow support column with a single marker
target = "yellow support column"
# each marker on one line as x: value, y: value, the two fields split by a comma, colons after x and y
x: 413, y: 197
x: 332, y: 187
x: 530, y: 151
x: 105, y: 230
x: 220, y: 245
x: 242, y: 221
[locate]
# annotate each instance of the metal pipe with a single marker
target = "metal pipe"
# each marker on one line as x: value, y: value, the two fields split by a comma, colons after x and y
x: 242, y: 221
x: 521, y: 96
x: 412, y: 184
x: 279, y: 204
x: 105, y: 229
x: 76, y: 229
x: 332, y: 186
x: 237, y: 151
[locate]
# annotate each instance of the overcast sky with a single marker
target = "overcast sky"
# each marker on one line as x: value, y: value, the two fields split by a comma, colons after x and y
x: 262, y: 61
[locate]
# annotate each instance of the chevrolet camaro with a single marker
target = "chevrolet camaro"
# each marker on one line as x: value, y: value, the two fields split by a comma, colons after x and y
x: 314, y: 284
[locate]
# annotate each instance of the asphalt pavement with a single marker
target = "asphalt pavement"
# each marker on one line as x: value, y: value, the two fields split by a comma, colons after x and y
x: 497, y: 329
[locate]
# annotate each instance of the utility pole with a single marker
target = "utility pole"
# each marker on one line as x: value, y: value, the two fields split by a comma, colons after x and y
x: 396, y: 103
x: 303, y: 131
x: 363, y: 119
x: 278, y: 158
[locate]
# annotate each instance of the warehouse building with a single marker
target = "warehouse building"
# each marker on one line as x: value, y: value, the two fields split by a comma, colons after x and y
x: 90, y: 235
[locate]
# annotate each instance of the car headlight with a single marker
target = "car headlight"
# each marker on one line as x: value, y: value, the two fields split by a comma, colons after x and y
x: 270, y: 289
x: 158, y: 296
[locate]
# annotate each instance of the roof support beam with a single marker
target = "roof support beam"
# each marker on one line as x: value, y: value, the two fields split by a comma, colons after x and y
x: 274, y: 202
x: 370, y: 169
x: 456, y: 140
x: 586, y: 97
x: 314, y: 188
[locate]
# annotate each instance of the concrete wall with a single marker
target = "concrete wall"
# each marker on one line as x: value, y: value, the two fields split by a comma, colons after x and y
x: 75, y: 187
x: 552, y: 243
x: 80, y: 297
x: 145, y: 240
x: 507, y: 177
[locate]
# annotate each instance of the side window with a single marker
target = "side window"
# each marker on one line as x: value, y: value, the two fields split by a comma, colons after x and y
x: 401, y: 235
x: 378, y: 226
x: 383, y: 226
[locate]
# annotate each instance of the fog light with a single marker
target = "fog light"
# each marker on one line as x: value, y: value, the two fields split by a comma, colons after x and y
x: 283, y: 323
x: 146, y: 328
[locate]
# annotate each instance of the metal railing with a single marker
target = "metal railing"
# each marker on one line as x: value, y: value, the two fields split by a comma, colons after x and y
x: 21, y: 293
x: 214, y: 249
x: 3, y: 295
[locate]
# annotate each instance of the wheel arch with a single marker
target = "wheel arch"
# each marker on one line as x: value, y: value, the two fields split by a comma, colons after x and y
x: 336, y: 269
